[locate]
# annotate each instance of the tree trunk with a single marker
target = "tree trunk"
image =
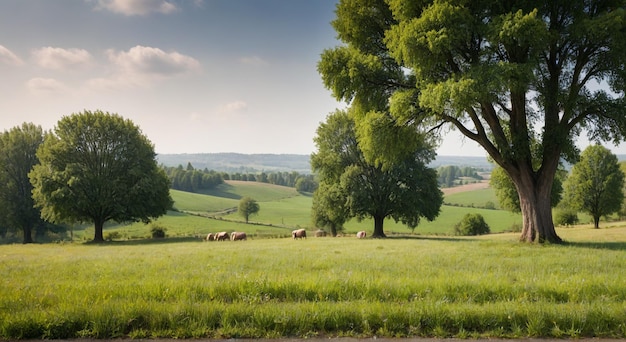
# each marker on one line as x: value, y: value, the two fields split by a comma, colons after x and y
x: 28, y: 235
x: 378, y: 227
x: 333, y: 230
x: 99, y: 225
x: 596, y: 222
x: 537, y: 212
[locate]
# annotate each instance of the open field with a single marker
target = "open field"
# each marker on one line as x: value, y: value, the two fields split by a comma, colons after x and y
x: 283, y: 209
x: 489, y: 286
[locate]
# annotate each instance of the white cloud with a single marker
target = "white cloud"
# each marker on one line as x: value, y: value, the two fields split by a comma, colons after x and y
x: 45, y: 85
x: 137, y: 7
x: 254, y: 61
x: 233, y: 107
x: 58, y: 58
x: 152, y: 61
x: 141, y: 65
x: 8, y: 57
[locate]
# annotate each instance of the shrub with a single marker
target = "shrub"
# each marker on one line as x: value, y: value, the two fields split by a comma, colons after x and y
x: 158, y: 232
x: 471, y: 224
x: 565, y: 217
x: 110, y: 236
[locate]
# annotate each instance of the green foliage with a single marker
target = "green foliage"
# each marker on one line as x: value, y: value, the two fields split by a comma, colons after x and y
x: 596, y: 183
x: 192, y: 290
x: 98, y: 167
x: 507, y: 194
x: 18, y: 149
x: 193, y: 180
x: 566, y: 217
x: 447, y: 175
x: 352, y: 186
x: 487, y: 70
x: 157, y: 231
x: 472, y: 224
x: 247, y: 207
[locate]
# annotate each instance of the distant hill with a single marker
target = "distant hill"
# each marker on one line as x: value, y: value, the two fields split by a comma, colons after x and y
x: 253, y: 163
x: 237, y: 162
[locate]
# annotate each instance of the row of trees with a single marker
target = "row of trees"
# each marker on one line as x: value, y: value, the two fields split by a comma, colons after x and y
x: 194, y: 180
x: 448, y: 174
x: 93, y: 167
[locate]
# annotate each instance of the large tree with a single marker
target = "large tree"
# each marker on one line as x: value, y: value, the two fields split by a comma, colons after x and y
x: 352, y: 186
x: 596, y: 183
x: 98, y: 167
x: 503, y: 73
x: 18, y: 155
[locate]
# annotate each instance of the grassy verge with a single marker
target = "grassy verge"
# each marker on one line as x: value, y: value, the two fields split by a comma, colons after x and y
x: 267, y: 288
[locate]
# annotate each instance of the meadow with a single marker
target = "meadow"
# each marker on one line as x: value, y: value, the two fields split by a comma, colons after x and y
x: 284, y: 209
x: 488, y: 286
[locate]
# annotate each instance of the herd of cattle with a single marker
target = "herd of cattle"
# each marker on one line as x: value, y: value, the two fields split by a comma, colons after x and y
x: 296, y: 234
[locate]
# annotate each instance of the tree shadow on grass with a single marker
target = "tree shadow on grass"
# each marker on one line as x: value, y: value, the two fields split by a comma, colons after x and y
x: 610, y: 245
x: 433, y: 238
x: 148, y: 241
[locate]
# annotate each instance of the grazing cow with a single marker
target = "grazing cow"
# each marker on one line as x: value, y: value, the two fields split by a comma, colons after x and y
x: 320, y: 233
x: 298, y: 234
x: 221, y: 236
x: 361, y: 235
x: 210, y: 237
x: 235, y: 236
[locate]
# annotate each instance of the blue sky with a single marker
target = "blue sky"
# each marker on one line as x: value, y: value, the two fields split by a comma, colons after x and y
x: 195, y: 75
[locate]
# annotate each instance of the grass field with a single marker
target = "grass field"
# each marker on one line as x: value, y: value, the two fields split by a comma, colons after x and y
x: 489, y: 286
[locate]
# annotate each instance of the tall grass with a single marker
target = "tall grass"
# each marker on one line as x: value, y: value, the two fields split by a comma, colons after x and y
x: 443, y: 287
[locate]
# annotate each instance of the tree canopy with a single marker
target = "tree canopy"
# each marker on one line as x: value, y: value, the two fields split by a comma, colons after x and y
x: 97, y: 167
x: 247, y: 207
x: 596, y: 183
x: 506, y: 74
x: 18, y: 155
x: 352, y: 186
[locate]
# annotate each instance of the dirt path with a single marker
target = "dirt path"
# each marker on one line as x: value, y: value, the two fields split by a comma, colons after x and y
x: 467, y: 187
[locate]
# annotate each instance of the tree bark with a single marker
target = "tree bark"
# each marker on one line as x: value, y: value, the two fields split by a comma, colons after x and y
x: 596, y: 222
x: 99, y: 225
x: 537, y: 212
x: 28, y: 234
x: 378, y: 227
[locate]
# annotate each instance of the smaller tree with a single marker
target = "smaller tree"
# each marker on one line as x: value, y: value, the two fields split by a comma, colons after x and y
x: 247, y: 207
x: 595, y: 185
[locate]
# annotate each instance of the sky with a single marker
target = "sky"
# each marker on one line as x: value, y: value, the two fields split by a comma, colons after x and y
x: 196, y: 76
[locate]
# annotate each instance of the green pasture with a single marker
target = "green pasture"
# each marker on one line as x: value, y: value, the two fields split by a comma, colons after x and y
x: 476, y: 198
x: 488, y: 286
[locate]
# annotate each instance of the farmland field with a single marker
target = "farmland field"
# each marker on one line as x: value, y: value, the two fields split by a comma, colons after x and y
x: 490, y: 286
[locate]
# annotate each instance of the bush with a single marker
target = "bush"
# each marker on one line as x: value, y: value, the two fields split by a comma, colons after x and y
x: 565, y: 217
x: 471, y: 224
x: 158, y: 232
x: 112, y: 236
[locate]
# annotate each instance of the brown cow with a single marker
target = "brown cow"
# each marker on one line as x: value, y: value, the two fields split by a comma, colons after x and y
x: 298, y: 234
x: 221, y: 236
x: 320, y: 233
x: 235, y: 236
x: 210, y: 237
x: 361, y: 235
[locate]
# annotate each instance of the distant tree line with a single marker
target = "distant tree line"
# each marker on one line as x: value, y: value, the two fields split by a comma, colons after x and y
x: 448, y: 174
x: 194, y: 180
